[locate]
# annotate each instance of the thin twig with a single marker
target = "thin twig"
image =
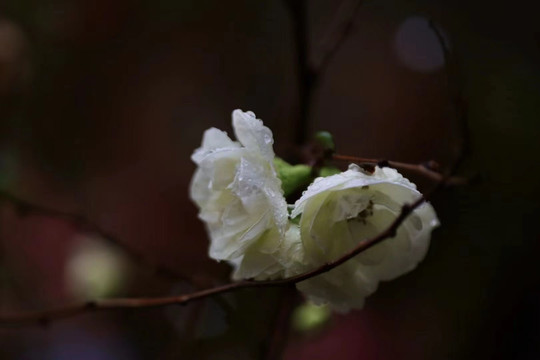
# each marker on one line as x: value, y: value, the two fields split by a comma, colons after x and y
x: 24, y: 207
x: 46, y: 316
x: 336, y: 34
x: 455, y: 83
x: 305, y: 75
x: 278, y: 338
x: 310, y: 71
x: 427, y: 169
x: 308, y: 74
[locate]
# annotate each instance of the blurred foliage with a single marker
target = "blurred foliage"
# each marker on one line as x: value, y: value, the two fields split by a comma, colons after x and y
x: 95, y: 270
x: 308, y: 317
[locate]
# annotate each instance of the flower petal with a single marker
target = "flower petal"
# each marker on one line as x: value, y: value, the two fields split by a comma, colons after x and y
x: 251, y: 132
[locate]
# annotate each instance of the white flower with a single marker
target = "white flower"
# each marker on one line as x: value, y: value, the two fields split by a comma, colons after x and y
x: 241, y: 201
x: 240, y: 198
x: 340, y: 211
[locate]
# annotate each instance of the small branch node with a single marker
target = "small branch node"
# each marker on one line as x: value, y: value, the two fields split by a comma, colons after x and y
x: 432, y: 165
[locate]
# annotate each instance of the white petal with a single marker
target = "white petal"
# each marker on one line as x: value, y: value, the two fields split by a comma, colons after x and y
x: 339, y: 212
x: 199, y: 187
x: 240, y: 197
x: 340, y: 288
x: 251, y: 132
x: 257, y: 260
x: 213, y: 139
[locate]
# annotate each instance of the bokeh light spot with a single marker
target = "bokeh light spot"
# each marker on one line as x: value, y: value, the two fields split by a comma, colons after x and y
x: 417, y: 47
x: 307, y: 317
x: 95, y: 269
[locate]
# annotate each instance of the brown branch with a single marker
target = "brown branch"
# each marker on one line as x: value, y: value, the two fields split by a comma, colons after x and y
x: 305, y: 76
x: 46, y: 316
x: 278, y: 339
x: 428, y: 169
x: 336, y: 34
x: 308, y: 72
x: 455, y: 83
x: 24, y: 208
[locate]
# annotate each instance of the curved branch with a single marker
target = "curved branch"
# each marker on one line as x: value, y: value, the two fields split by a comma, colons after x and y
x: 454, y: 78
x: 25, y: 208
x: 46, y: 316
x: 336, y: 34
x: 309, y: 71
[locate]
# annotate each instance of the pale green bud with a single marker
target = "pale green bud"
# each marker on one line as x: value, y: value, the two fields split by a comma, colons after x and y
x: 293, y: 177
x: 325, y: 139
x: 328, y: 171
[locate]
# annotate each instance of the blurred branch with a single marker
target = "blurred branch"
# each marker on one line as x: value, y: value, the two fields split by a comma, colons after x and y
x: 280, y: 334
x: 336, y: 34
x: 308, y: 72
x: 305, y: 75
x: 25, y: 208
x: 455, y: 85
x: 428, y: 169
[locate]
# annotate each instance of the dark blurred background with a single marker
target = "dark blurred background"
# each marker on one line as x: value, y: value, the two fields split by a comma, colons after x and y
x: 103, y: 102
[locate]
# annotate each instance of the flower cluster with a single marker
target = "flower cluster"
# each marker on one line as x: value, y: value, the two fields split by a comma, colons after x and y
x: 240, y: 197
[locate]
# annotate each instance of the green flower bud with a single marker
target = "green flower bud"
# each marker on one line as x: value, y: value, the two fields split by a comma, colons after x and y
x: 293, y: 177
x: 325, y: 139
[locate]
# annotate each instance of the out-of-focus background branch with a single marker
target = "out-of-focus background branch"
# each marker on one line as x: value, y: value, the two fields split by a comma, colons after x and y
x: 103, y: 102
